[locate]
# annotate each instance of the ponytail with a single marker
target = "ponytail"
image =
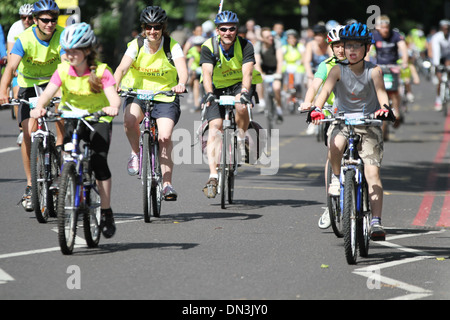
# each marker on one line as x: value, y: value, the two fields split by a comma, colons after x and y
x: 95, y: 82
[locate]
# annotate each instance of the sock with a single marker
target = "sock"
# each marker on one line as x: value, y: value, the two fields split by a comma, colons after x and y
x: 215, y: 176
x: 375, y: 219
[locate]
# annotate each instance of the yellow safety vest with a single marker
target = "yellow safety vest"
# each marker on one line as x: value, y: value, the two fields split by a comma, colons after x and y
x: 151, y: 72
x: 76, y: 90
x: 229, y: 72
x: 39, y: 61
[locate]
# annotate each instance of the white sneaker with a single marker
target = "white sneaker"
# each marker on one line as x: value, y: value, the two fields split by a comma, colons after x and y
x: 334, y: 188
x: 311, y: 129
x: 19, y: 139
x: 133, y: 165
x: 324, y: 221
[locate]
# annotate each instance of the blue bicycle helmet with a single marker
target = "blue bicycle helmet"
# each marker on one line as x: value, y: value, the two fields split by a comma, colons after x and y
x: 77, y: 36
x: 358, y: 32
x: 45, y: 5
x: 226, y: 17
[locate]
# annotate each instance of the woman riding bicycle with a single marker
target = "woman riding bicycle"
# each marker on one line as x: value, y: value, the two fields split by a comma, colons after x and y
x: 142, y: 68
x: 88, y: 85
x: 358, y: 87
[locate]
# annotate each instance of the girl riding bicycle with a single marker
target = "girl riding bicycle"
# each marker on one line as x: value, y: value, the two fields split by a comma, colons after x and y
x: 149, y: 68
x: 358, y: 87
x: 89, y: 85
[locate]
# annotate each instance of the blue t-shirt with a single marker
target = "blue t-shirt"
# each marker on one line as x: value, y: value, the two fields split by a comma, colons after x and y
x: 18, y: 48
x: 387, y: 48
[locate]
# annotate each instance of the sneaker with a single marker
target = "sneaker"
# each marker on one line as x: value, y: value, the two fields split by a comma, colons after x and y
x: 438, y: 106
x: 107, y: 224
x: 27, y: 204
x: 377, y: 232
x: 19, y: 139
x: 169, y: 193
x: 279, y: 119
x: 133, y: 165
x: 324, y: 221
x: 334, y: 188
x: 210, y: 189
x: 311, y: 129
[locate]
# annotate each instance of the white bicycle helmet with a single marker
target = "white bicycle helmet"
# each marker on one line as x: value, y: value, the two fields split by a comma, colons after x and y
x: 26, y: 10
x: 77, y: 36
x: 333, y: 34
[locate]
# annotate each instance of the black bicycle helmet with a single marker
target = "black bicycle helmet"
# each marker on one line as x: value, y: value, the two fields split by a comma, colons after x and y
x: 226, y: 17
x: 358, y: 32
x: 153, y: 14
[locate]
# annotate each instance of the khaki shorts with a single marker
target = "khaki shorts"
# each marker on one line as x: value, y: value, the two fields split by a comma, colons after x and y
x: 371, y: 147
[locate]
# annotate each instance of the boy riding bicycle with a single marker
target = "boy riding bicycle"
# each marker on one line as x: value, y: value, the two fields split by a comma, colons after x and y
x: 358, y: 87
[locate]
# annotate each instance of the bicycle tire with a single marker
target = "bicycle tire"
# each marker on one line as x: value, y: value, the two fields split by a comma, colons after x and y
x: 223, y: 170
x: 55, y: 172
x: 270, y: 114
x: 232, y: 168
x: 156, y: 189
x: 40, y: 193
x: 66, y: 210
x: 349, y: 217
x: 364, y: 223
x: 146, y: 176
x: 334, y: 208
x: 92, y: 215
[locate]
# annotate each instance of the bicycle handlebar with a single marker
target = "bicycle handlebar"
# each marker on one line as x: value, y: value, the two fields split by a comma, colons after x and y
x: 150, y: 94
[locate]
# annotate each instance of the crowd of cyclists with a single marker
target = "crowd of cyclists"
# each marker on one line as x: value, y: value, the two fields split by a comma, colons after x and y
x: 224, y: 56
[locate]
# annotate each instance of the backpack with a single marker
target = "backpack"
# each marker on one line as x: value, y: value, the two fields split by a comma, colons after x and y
x: 166, y: 47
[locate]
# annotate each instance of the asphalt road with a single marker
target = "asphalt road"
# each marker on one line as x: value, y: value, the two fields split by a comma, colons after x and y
x: 265, y: 246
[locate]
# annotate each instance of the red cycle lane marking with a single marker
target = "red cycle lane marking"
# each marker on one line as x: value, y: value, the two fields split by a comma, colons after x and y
x: 427, y: 202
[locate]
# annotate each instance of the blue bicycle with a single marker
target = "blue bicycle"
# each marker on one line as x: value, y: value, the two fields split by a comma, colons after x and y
x: 78, y: 192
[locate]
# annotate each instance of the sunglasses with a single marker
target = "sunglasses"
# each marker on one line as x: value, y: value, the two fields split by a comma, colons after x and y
x: 355, y: 46
x: 26, y: 18
x: 45, y: 21
x: 231, y: 29
x: 157, y: 27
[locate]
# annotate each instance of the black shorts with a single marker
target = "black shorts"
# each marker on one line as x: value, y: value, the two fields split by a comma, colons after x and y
x: 99, y: 140
x: 169, y: 110
x: 24, y: 109
x: 214, y: 111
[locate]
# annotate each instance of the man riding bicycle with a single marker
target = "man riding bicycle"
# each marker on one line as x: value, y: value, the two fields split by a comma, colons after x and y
x: 440, y: 48
x: 227, y: 70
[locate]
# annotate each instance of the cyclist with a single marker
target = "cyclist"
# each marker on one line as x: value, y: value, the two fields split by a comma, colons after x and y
x: 337, y: 46
x: 269, y: 61
x: 231, y: 71
x: 141, y: 68
x: 362, y: 91
x: 388, y: 44
x: 195, y: 71
x: 36, y: 54
x: 440, y: 49
x: 316, y: 51
x: 292, y: 60
x: 88, y: 85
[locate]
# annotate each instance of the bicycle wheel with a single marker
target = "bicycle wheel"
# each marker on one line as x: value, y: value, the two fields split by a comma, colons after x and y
x: 55, y: 167
x: 364, y: 223
x: 223, y: 170
x: 156, y: 188
x: 349, y: 217
x: 40, y: 196
x: 334, y: 208
x: 270, y: 114
x: 67, y: 210
x: 146, y: 176
x: 232, y: 168
x: 92, y: 215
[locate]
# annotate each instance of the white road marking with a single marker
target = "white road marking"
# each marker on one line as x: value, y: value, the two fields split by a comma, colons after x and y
x: 4, y: 277
x: 4, y: 150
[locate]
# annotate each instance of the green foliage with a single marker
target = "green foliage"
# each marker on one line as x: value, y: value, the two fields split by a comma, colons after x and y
x: 9, y: 12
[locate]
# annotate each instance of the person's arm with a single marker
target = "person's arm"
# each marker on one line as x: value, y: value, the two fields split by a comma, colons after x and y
x: 8, y: 74
x: 332, y: 79
x: 181, y: 66
x: 122, y: 69
x: 383, y: 99
x: 114, y: 101
x: 207, y: 72
x: 50, y: 90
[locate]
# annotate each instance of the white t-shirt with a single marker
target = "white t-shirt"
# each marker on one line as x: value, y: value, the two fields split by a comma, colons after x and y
x: 16, y: 29
x: 440, y: 46
x: 177, y: 51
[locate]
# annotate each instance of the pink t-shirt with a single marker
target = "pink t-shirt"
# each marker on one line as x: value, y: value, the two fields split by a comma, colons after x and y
x: 107, y: 79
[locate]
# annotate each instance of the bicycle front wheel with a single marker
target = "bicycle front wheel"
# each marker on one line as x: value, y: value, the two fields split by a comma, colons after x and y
x: 41, y: 196
x: 66, y: 209
x: 92, y: 216
x: 156, y: 191
x: 146, y: 176
x: 349, y: 217
x: 364, y: 223
x: 334, y: 208
x: 223, y: 170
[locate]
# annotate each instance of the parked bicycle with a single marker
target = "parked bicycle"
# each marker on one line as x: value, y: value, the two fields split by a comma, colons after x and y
x: 149, y: 162
x: 78, y: 192
x: 350, y: 212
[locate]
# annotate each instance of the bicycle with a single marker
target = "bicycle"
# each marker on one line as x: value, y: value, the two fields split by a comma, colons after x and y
x: 444, y: 88
x: 269, y: 98
x: 292, y: 92
x: 78, y: 191
x: 149, y: 163
x: 350, y: 212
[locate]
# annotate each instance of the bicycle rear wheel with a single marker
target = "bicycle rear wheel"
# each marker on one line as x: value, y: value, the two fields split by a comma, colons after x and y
x: 92, y: 215
x: 334, y: 208
x: 146, y: 176
x: 156, y: 189
x: 349, y: 217
x: 67, y: 210
x: 41, y: 196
